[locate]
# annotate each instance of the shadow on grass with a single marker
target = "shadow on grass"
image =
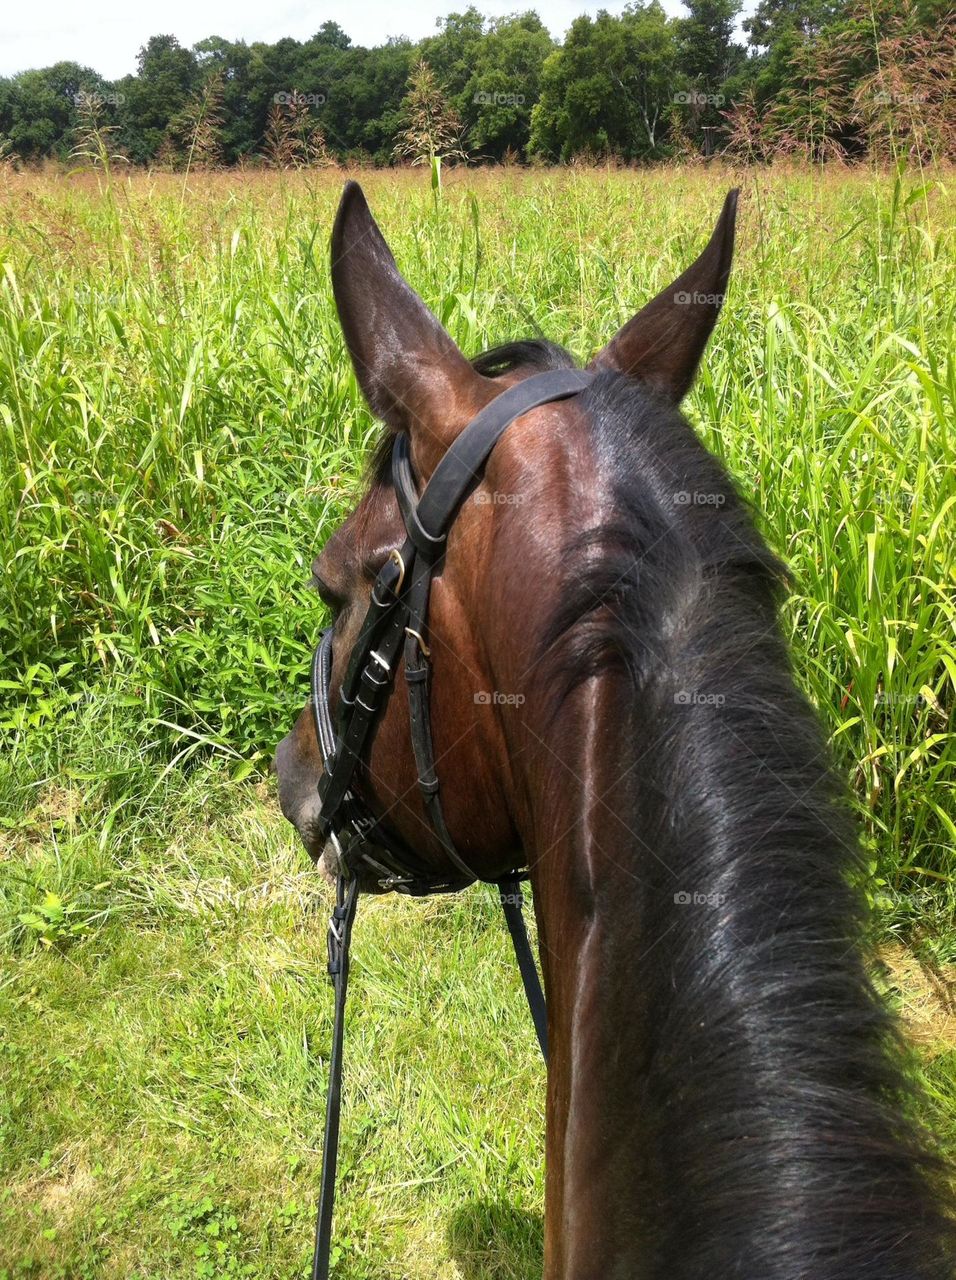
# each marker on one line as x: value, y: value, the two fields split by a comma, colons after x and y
x: 496, y: 1241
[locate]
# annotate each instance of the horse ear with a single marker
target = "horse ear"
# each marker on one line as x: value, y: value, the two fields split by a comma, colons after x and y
x: 411, y: 372
x: 662, y: 345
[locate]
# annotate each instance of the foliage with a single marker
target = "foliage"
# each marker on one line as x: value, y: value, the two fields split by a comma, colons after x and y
x: 431, y: 129
x: 505, y: 82
x: 166, y: 78
x: 195, y: 132
x: 906, y: 104
x: 39, y: 109
x: 54, y: 921
x: 606, y: 91
x: 293, y: 140
x: 636, y: 86
x: 179, y: 430
x: 854, y: 89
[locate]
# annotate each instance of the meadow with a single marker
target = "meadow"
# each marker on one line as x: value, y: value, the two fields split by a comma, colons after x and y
x: 180, y: 429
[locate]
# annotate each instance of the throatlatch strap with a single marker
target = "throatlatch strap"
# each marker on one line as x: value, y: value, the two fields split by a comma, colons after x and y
x: 340, y: 935
x: 511, y: 898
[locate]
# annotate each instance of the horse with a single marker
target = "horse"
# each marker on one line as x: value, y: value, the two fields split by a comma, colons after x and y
x: 613, y: 707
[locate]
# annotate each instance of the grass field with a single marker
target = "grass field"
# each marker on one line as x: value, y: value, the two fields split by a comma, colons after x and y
x: 179, y: 430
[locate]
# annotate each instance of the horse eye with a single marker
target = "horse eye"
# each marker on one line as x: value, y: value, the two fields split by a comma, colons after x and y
x: 330, y: 598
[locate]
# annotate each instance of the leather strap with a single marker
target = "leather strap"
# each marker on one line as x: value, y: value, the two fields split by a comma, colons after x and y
x: 460, y: 469
x: 399, y: 607
x: 340, y: 935
x: 406, y: 491
x: 374, y: 679
x: 382, y: 607
x: 512, y: 900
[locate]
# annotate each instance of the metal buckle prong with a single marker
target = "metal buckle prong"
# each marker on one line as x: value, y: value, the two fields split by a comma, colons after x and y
x: 396, y: 556
x: 409, y: 631
x: 381, y: 661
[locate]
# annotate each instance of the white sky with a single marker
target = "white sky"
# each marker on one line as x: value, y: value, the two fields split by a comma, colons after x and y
x: 107, y: 34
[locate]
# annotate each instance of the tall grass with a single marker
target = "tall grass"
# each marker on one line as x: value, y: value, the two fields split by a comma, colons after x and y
x: 179, y: 431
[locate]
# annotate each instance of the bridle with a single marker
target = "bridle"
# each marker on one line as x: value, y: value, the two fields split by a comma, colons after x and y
x: 396, y: 622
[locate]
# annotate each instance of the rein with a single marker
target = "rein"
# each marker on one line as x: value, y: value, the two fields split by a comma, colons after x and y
x: 396, y: 621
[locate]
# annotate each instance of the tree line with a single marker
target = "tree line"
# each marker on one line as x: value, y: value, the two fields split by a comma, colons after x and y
x: 820, y: 79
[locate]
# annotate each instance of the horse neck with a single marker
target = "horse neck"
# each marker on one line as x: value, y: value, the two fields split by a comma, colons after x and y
x: 723, y: 1096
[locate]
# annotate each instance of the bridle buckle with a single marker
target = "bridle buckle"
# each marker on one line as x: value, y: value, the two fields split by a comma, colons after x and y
x: 384, y: 665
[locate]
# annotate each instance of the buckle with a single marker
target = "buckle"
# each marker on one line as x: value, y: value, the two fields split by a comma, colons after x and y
x: 395, y: 556
x: 417, y: 635
x: 381, y: 662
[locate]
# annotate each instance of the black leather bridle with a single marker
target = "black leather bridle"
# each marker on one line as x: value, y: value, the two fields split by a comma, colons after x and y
x: 396, y: 622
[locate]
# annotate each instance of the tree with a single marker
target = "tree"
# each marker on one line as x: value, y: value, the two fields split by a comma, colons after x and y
x: 243, y: 123
x: 707, y: 57
x: 331, y: 34
x: 452, y: 54
x: 166, y: 77
x: 774, y: 19
x: 707, y: 53
x: 505, y: 84
x: 38, y: 109
x: 608, y: 89
x: 362, y: 91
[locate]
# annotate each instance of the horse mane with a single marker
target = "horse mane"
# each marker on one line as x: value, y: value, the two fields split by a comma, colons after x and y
x: 537, y: 354
x: 779, y: 1109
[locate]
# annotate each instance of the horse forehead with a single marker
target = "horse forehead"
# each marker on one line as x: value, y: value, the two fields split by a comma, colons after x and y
x: 548, y: 456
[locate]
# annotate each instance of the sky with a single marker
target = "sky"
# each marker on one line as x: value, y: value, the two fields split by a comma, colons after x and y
x: 107, y: 34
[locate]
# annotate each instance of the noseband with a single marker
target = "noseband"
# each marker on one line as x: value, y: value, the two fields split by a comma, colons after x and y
x: 396, y: 621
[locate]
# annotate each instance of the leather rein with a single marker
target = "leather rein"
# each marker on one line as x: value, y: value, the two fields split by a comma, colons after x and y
x: 395, y: 625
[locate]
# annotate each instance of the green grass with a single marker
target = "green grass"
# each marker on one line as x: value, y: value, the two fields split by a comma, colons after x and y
x: 179, y: 430
x: 163, y: 1074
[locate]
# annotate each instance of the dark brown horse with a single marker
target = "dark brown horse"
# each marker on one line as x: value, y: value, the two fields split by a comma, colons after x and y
x: 612, y: 706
